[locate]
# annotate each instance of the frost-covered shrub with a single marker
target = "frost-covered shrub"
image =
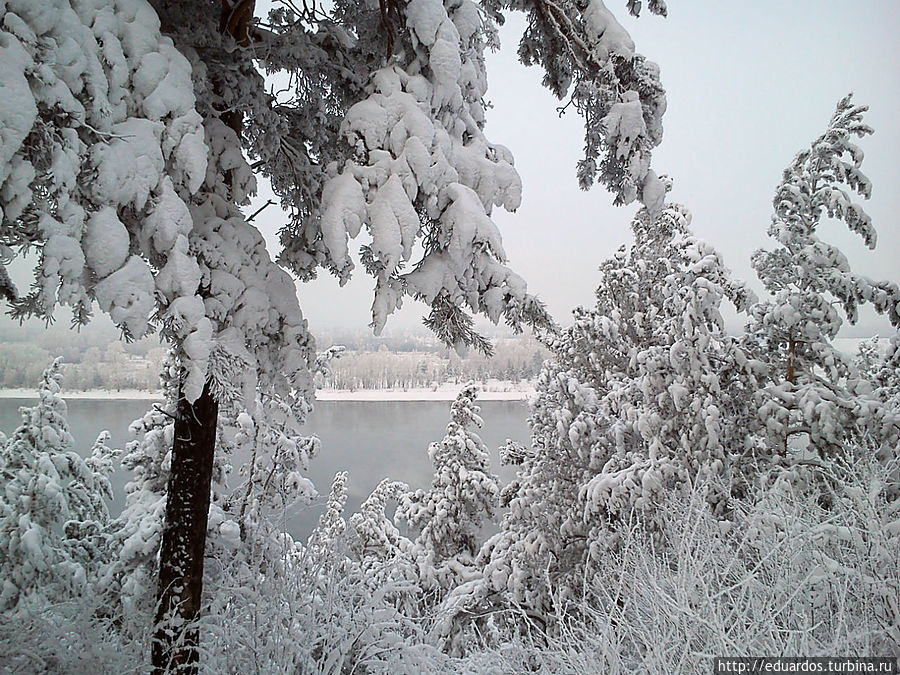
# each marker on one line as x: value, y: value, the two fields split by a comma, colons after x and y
x: 53, y: 510
x: 71, y: 637
x: 783, y: 576
x: 333, y: 605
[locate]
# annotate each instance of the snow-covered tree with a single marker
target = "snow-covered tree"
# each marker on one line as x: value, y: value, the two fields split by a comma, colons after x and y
x: 130, y: 573
x: 886, y: 374
x: 126, y: 132
x: 393, y: 142
x: 813, y: 401
x: 447, y: 517
x: 52, y: 505
x: 868, y: 358
x: 590, y: 59
x: 645, y: 392
x: 371, y: 532
x: 110, y: 171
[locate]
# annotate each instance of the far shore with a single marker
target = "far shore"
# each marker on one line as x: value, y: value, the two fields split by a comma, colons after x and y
x: 494, y: 391
x: 129, y: 394
x: 515, y: 392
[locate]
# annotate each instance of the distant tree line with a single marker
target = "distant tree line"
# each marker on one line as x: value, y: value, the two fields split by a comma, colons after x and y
x: 515, y: 359
x: 95, y: 358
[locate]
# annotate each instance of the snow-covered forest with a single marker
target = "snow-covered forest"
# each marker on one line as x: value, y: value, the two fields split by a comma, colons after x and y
x: 96, y: 359
x: 688, y: 491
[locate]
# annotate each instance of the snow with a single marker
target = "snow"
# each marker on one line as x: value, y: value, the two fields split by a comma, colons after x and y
x: 17, y: 106
x: 180, y: 276
x: 343, y: 216
x: 169, y: 218
x: 394, y: 224
x: 129, y: 167
x: 127, y: 295
x: 425, y: 18
x: 197, y: 347
x: 185, y: 134
x: 493, y: 391
x: 64, y: 262
x: 633, y: 405
x: 105, y: 242
x: 446, y: 64
x: 32, y: 544
x: 605, y: 33
x: 625, y: 124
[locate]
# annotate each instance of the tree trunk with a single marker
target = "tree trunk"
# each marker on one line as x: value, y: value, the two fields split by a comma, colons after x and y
x: 176, y: 641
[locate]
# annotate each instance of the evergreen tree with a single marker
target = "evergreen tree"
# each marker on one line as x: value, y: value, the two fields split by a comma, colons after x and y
x: 813, y: 404
x: 52, y: 505
x: 123, y: 160
x: 448, y: 517
x: 645, y: 392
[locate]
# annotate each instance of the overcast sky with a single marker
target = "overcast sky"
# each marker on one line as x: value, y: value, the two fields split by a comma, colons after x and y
x: 748, y: 84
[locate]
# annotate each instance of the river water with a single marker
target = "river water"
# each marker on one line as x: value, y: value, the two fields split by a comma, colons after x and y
x: 371, y: 440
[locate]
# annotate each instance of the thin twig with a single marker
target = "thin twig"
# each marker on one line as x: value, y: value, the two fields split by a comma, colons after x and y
x: 158, y: 408
x: 260, y: 210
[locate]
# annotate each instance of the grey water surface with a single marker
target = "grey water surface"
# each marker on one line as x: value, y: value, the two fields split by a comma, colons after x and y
x: 371, y: 440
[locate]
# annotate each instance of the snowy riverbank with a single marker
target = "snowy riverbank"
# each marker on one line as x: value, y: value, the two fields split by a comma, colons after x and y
x: 446, y: 392
x: 494, y: 390
x: 128, y: 394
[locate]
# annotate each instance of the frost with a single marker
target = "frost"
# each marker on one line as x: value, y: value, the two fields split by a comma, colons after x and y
x: 343, y: 216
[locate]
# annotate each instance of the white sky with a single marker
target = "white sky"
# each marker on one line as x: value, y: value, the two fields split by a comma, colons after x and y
x: 748, y: 84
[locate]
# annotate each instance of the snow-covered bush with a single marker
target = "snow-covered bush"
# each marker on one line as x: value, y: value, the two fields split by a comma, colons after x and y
x: 53, y: 511
x: 72, y: 636
x: 782, y: 576
x: 342, y: 603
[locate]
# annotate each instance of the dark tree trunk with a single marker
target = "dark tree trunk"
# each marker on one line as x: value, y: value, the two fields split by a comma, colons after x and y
x: 176, y: 641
